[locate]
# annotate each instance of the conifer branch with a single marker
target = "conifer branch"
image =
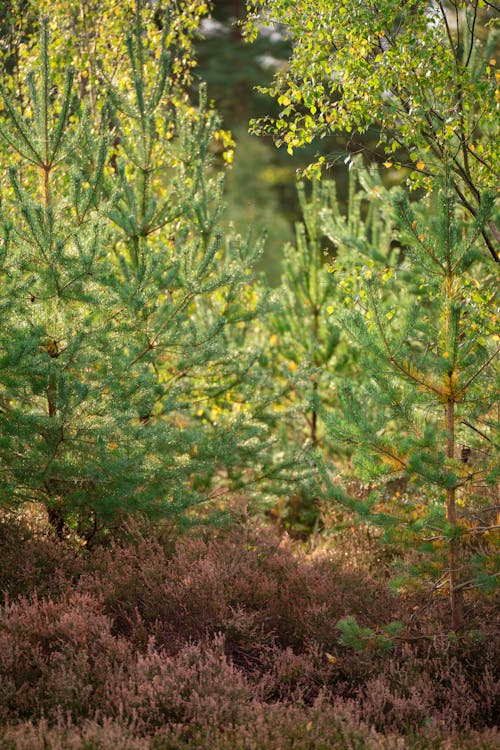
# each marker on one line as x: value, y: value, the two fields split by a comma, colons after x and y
x: 390, y: 356
x: 485, y: 364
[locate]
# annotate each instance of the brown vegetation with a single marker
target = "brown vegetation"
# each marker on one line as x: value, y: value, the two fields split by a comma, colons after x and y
x: 228, y: 641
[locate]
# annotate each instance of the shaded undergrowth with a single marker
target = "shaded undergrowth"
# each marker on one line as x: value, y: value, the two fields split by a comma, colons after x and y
x: 228, y: 641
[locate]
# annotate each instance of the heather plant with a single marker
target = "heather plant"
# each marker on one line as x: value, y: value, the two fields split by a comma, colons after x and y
x: 275, y: 729
x: 407, y: 695
x: 104, y: 735
x: 246, y: 584
x: 32, y: 562
x: 227, y: 639
x: 56, y: 656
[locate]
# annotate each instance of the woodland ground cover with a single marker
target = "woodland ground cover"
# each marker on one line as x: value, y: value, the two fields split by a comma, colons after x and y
x: 236, y: 516
x: 227, y: 639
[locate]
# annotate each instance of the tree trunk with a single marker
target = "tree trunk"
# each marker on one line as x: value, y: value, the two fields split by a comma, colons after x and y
x: 456, y: 597
x: 56, y: 520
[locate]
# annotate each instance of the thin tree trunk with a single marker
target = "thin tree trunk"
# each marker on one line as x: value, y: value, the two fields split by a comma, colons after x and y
x: 314, y: 420
x: 456, y: 597
x: 314, y: 416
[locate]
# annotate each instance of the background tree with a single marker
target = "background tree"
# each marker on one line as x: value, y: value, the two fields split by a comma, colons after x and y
x: 309, y: 349
x: 424, y: 73
x: 206, y: 44
x: 91, y: 34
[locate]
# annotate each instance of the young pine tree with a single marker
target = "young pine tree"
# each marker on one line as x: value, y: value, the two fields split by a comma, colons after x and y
x: 306, y: 340
x: 427, y: 409
x: 119, y: 301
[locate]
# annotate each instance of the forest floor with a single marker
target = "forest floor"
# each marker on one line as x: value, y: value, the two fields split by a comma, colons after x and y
x: 228, y: 640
